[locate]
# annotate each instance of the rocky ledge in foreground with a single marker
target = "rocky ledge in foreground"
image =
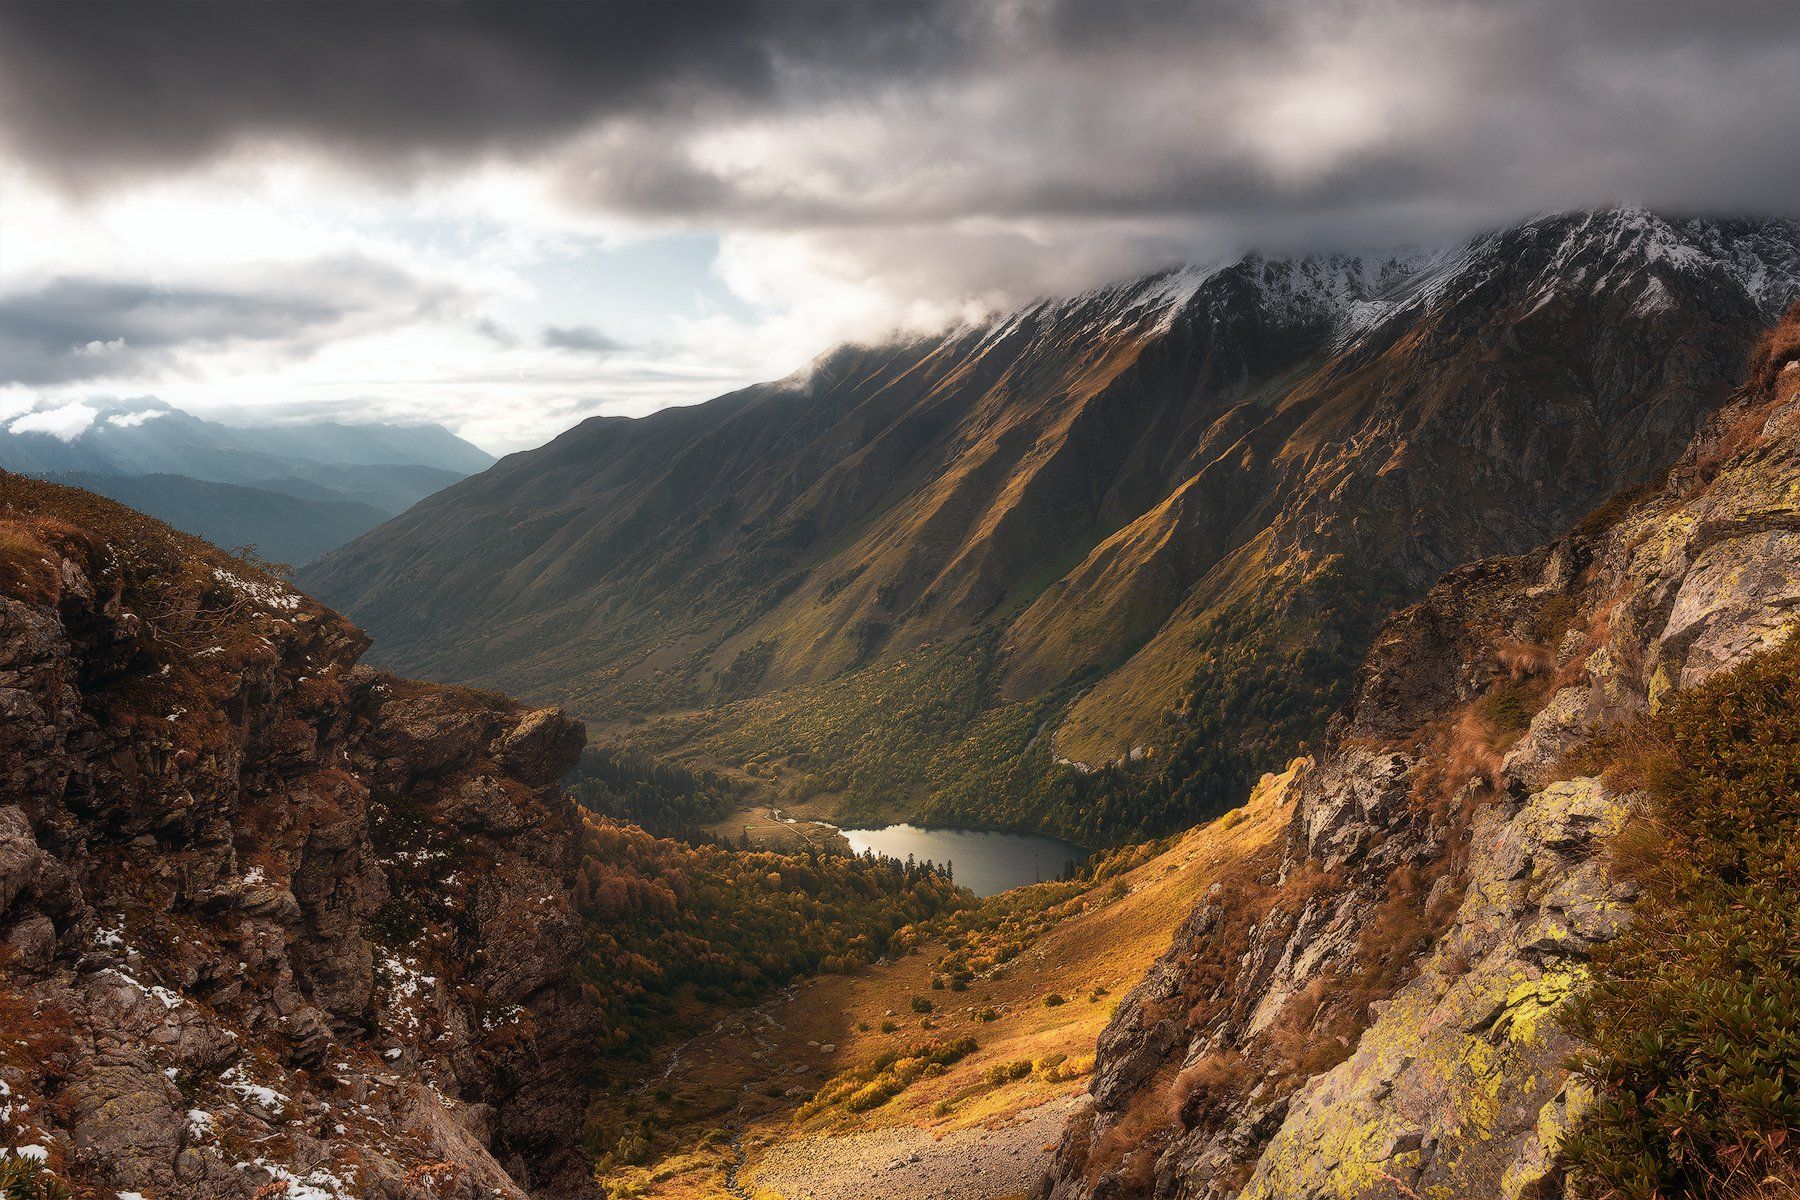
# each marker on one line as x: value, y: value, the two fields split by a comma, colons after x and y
x: 267, y: 917
x: 1376, y: 1011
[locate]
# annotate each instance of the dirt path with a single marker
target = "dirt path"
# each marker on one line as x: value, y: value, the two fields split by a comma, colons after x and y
x: 974, y: 1163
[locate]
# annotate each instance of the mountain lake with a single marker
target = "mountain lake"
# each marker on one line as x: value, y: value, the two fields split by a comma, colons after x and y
x: 985, y: 862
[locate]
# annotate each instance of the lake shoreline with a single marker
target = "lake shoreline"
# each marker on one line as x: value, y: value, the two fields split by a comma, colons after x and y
x: 987, y: 861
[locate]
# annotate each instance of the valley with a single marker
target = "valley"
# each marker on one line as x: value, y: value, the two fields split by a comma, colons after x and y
x: 899, y: 600
x: 471, y: 950
x: 1088, y: 568
x: 740, y: 1104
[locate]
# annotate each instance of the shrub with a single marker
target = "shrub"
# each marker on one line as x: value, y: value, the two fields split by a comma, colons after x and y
x: 1777, y: 349
x: 921, y: 1005
x: 29, y: 1179
x: 879, y: 1080
x: 1055, y: 999
x: 1007, y: 1072
x: 1693, y: 1017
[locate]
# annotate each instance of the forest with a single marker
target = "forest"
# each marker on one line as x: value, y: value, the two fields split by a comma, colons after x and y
x: 665, y: 798
x: 675, y: 928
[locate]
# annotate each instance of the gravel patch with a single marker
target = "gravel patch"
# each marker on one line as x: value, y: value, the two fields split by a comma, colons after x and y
x: 976, y: 1163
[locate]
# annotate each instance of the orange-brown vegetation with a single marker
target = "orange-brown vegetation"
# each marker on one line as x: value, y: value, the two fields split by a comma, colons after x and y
x: 1776, y: 352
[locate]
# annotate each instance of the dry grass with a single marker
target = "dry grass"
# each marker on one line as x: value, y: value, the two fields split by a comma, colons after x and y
x: 1093, y: 955
x: 1523, y: 660
x: 1779, y: 348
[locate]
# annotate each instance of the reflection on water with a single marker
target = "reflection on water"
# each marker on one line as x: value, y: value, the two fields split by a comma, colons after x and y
x: 985, y: 862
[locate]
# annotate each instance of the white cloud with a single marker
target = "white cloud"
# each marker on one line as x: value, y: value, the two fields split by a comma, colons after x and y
x: 131, y: 420
x: 66, y: 422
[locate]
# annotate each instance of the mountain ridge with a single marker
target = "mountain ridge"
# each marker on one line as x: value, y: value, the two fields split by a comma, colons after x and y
x: 1392, y: 1008
x: 146, y: 436
x: 1096, y: 486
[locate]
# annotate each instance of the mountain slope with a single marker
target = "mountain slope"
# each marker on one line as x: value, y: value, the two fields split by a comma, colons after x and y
x: 1386, y: 1012
x: 1158, y: 519
x: 283, y: 528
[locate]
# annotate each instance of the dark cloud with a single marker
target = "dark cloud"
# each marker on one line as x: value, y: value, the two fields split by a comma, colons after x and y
x: 93, y: 89
x: 583, y: 339
x: 73, y: 329
x: 937, y: 152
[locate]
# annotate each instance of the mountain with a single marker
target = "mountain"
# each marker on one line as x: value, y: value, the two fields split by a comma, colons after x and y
x: 430, y: 446
x: 283, y: 528
x: 146, y: 436
x: 962, y: 577
x: 273, y: 922
x: 297, y: 490
x: 1567, y: 773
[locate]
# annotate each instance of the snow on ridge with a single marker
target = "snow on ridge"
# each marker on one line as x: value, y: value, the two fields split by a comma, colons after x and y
x: 1355, y: 292
x: 1634, y: 246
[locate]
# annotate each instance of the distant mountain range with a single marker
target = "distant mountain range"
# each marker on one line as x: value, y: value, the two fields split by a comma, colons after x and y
x: 294, y: 491
x: 1157, y: 523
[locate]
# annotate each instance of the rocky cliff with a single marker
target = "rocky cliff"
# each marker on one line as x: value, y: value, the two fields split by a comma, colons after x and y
x: 1373, y: 1011
x: 272, y: 922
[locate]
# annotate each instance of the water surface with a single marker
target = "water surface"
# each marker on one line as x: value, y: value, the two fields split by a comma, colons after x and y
x: 985, y: 862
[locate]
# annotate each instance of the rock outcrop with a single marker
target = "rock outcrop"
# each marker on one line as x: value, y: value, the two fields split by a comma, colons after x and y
x: 1375, y: 1014
x: 268, y: 916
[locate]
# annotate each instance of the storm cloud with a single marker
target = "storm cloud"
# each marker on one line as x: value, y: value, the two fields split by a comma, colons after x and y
x: 91, y: 89
x: 802, y: 115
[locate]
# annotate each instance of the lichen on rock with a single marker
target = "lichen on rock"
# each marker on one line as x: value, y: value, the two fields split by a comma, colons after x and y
x: 1397, y: 983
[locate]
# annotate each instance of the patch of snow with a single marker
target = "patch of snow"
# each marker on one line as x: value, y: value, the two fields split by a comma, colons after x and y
x: 272, y: 595
x: 508, y: 1016
x: 168, y: 999
x: 316, y: 1184
x: 237, y: 1080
